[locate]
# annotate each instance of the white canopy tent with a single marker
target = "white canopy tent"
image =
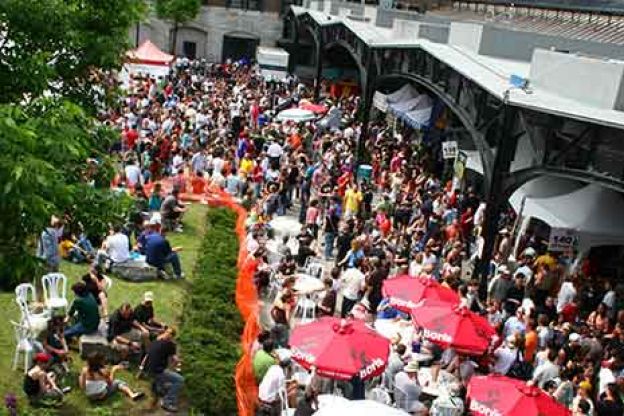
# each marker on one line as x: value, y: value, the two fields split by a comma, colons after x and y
x: 405, y: 93
x: 542, y: 187
x: 592, y: 212
x: 148, y: 60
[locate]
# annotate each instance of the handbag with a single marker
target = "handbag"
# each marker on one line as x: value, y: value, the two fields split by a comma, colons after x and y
x: 520, y: 369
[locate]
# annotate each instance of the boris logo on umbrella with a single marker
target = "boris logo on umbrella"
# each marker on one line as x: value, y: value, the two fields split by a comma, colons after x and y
x: 400, y: 303
x: 373, y: 367
x: 482, y: 409
x: 303, y: 356
x: 437, y: 336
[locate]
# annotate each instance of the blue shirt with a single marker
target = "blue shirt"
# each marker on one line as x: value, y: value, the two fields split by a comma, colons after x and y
x: 157, y: 249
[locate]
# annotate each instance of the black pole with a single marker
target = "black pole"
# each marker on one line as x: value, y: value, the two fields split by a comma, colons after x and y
x: 138, y: 33
x: 495, y: 195
x: 318, y: 70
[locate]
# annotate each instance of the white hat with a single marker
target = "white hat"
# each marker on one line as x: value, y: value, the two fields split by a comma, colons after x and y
x: 529, y: 252
x: 503, y: 269
x: 148, y: 296
x: 155, y: 219
x: 412, y: 367
x: 574, y: 337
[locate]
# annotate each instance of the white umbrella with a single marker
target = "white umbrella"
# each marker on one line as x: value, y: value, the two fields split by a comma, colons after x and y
x: 359, y: 408
x: 285, y: 225
x: 297, y: 115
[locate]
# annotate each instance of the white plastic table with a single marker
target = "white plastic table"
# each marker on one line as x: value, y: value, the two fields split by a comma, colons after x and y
x: 389, y: 328
x: 306, y: 284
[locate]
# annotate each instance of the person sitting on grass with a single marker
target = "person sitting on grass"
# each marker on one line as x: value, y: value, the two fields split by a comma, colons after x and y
x: 161, y: 356
x: 159, y: 253
x: 39, y: 384
x: 155, y: 200
x: 172, y: 210
x: 86, y: 309
x: 95, y: 281
x: 126, y: 333
x: 53, y: 341
x: 99, y: 383
x: 144, y: 314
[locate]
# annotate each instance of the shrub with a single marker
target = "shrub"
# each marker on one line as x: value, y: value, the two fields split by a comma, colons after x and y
x: 211, y: 325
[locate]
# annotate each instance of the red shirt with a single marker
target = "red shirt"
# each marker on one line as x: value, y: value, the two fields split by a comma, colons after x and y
x: 131, y: 138
x: 569, y: 312
x: 198, y: 184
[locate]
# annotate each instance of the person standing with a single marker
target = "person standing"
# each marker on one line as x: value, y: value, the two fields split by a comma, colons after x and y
x: 48, y: 245
x: 330, y: 227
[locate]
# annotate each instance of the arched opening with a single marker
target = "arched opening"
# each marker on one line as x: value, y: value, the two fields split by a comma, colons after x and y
x: 239, y: 45
x: 342, y: 73
x: 303, y: 52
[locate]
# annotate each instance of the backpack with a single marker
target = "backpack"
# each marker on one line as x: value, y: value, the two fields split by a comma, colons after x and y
x: 520, y: 369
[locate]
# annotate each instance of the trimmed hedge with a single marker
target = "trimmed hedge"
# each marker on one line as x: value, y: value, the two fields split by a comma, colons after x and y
x: 211, y: 324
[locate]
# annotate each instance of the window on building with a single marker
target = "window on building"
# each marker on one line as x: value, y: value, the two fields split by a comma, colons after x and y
x: 189, y: 49
x: 244, y: 4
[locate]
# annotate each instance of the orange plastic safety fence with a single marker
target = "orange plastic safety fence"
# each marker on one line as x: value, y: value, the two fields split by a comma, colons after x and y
x: 247, y: 302
x: 246, y: 296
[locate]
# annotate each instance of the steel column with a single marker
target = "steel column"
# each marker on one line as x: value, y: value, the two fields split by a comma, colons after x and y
x: 495, y: 198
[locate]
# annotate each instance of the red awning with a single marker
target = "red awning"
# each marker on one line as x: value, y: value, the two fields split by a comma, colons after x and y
x: 149, y: 54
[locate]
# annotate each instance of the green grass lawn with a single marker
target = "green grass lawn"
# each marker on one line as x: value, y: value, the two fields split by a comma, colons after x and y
x: 168, y: 301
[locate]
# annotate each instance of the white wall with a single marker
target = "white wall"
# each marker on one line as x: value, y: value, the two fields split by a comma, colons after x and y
x: 215, y: 21
x: 590, y: 80
x: 466, y: 36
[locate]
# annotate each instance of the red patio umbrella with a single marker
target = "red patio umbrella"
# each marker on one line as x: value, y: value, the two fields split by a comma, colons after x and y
x: 455, y: 327
x: 340, y: 349
x: 496, y: 395
x: 405, y: 292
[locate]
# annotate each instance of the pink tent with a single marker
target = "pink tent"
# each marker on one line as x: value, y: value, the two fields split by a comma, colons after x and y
x: 149, y: 54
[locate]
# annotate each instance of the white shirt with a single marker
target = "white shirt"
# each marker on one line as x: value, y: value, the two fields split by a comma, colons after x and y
x: 274, y: 380
x: 133, y: 174
x: 505, y: 358
x: 118, y: 247
x: 545, y: 372
x: 275, y: 150
x: 217, y: 165
x: 566, y: 295
x: 352, y: 282
x: 409, y: 389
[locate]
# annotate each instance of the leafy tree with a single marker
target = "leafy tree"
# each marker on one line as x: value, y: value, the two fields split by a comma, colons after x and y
x: 45, y: 169
x: 60, y: 46
x: 177, y: 12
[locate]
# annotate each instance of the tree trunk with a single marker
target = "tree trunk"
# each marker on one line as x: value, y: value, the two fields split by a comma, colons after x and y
x: 174, y: 39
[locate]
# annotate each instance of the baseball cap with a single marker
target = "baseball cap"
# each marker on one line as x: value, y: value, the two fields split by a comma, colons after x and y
x: 42, y: 357
x: 148, y: 296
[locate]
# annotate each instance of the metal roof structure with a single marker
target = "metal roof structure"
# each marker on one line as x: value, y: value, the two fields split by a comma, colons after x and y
x: 491, y: 73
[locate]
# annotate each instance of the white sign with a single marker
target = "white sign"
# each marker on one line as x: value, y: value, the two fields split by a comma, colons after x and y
x: 449, y: 149
x: 561, y: 239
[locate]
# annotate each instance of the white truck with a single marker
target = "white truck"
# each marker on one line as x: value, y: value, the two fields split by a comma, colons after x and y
x: 273, y: 62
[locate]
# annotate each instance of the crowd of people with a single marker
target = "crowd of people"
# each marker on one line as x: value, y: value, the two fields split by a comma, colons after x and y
x: 207, y: 127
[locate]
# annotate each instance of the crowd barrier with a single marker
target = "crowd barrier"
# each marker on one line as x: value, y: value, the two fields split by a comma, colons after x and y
x: 247, y: 303
x: 246, y: 295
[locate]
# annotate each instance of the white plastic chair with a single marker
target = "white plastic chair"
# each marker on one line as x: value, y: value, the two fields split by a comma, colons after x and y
x: 306, y: 308
x: 25, y: 296
x: 23, y: 345
x: 400, y: 399
x: 55, y: 291
x: 380, y: 395
x: 314, y: 267
x: 274, y: 286
x: 108, y: 283
x: 286, y: 411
